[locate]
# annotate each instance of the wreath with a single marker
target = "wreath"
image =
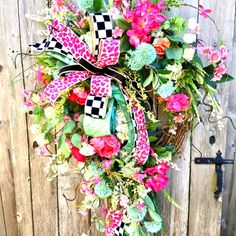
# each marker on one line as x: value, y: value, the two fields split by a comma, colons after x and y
x: 104, y: 73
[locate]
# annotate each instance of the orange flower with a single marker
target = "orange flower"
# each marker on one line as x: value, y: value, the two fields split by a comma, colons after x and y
x: 160, y: 45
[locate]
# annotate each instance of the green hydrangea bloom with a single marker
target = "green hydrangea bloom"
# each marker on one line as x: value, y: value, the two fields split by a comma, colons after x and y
x: 103, y: 190
x: 153, y: 226
x: 95, y: 169
x: 165, y: 90
x: 135, y: 214
x: 86, y: 4
x: 145, y: 54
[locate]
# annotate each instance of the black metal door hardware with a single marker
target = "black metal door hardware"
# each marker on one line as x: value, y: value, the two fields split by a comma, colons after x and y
x: 218, y: 161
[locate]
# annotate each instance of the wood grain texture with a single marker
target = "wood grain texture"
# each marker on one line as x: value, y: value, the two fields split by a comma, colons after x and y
x: 44, y: 193
x: 229, y: 198
x: 205, y: 211
x: 15, y: 186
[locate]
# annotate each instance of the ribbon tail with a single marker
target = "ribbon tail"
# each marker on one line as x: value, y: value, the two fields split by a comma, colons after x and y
x: 71, y: 41
x: 142, y: 143
x: 53, y: 91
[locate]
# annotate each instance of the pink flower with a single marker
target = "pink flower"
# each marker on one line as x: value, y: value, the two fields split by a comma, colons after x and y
x: 177, y: 102
x: 140, y: 206
x: 106, y: 164
x: 144, y: 18
x: 76, y: 117
x: 214, y: 56
x: 96, y: 180
x: 117, y: 32
x: 41, y: 151
x: 156, y: 183
x: 204, y: 50
x: 223, y: 52
x: 204, y: 12
x: 221, y: 69
x: 179, y: 118
x: 28, y: 106
x: 84, y: 188
x: 107, y: 146
x: 160, y: 168
x: 139, y: 177
x: 104, y: 211
x: 27, y: 94
x: 152, y: 153
x: 124, y: 200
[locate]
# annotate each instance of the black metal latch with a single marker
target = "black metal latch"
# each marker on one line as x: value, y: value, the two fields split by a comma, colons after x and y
x: 218, y: 161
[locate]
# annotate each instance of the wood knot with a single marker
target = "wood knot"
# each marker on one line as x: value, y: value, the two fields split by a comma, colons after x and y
x: 1, y: 67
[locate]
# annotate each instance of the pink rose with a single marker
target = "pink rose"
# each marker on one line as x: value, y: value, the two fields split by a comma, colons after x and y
x: 177, y: 102
x: 107, y: 146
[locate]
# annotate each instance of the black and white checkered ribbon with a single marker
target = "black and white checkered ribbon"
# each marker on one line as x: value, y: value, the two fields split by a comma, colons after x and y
x: 119, y: 231
x: 101, y: 26
x: 51, y: 44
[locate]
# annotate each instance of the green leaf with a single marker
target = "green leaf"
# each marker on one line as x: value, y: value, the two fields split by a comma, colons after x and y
x: 100, y: 226
x: 124, y: 44
x: 152, y: 139
x: 174, y: 53
x: 98, y: 5
x: 76, y: 140
x: 153, y: 126
x: 225, y: 78
x: 69, y: 126
x: 122, y: 23
x: 156, y: 217
x: 61, y: 140
x: 155, y: 82
x: 149, y: 79
x: 64, y: 150
x: 148, y: 202
x: 176, y: 39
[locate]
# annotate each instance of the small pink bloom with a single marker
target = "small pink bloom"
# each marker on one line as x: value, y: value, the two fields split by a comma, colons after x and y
x: 179, y: 118
x: 27, y: 94
x: 117, y: 32
x: 96, y: 180
x: 124, y: 200
x: 214, y: 56
x: 65, y: 118
x: 28, y: 105
x: 107, y: 146
x: 104, y: 211
x: 69, y: 142
x: 204, y: 12
x: 106, y: 164
x: 76, y: 117
x: 204, y: 50
x: 224, y: 51
x: 177, y: 102
x: 221, y: 69
x: 152, y: 153
x: 84, y: 188
x: 139, y: 177
x: 140, y: 206
x: 41, y: 151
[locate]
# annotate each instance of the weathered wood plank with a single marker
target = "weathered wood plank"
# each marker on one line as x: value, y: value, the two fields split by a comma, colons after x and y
x: 71, y: 221
x: 15, y: 195
x: 205, y: 211
x: 229, y: 198
x: 2, y: 217
x: 44, y: 193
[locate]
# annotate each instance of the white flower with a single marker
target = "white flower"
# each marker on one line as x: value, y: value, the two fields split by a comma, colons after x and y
x: 35, y: 129
x: 87, y: 149
x: 176, y: 68
x: 190, y: 38
x: 188, y: 54
x: 40, y: 139
x: 192, y: 23
x: 87, y: 38
x: 49, y: 112
x: 114, y: 13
